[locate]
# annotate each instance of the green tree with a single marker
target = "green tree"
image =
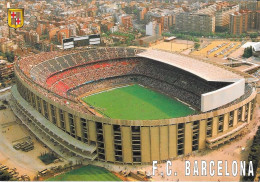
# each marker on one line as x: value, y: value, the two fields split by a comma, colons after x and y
x: 104, y: 28
x: 146, y: 19
x: 253, y: 35
x: 221, y: 29
x: 44, y: 36
x: 196, y: 45
x: 167, y: 34
x: 10, y: 56
x: 128, y: 9
x: 248, y: 52
x: 136, y: 12
x: 2, y: 54
x: 5, y: 176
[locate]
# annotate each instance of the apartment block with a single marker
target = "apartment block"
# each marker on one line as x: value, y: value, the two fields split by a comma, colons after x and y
x: 195, y: 22
x: 6, y: 69
x: 223, y: 13
x: 250, y: 5
x: 239, y: 22
x: 127, y: 21
x: 258, y: 20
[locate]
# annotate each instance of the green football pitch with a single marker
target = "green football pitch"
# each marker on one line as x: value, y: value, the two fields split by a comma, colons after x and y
x: 135, y: 102
x: 87, y: 173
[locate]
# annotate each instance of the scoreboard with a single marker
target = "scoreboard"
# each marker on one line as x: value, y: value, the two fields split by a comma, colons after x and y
x: 68, y: 43
x: 81, y: 41
x: 94, y: 39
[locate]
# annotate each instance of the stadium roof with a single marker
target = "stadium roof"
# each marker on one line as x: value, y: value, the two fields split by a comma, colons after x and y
x: 197, y: 67
x: 256, y: 46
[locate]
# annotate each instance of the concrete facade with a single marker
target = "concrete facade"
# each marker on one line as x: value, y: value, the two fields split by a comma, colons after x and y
x: 195, y: 22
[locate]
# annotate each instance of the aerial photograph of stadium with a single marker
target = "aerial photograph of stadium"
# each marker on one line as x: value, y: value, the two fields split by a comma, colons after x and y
x: 130, y: 90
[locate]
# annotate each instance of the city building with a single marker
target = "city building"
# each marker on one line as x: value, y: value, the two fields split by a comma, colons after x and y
x: 165, y: 17
x: 34, y: 37
x: 41, y: 29
x: 251, y: 23
x: 153, y: 28
x: 7, y: 45
x: 127, y: 21
x: 63, y: 34
x: 6, y: 69
x: 222, y: 14
x: 250, y: 5
x: 239, y: 22
x: 189, y: 22
x: 114, y: 29
x: 258, y: 20
x: 142, y: 13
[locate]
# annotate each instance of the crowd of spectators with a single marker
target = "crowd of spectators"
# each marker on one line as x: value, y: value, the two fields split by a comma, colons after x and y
x: 56, y: 63
x: 155, y: 74
x: 155, y: 84
x: 90, y: 72
x: 46, y: 93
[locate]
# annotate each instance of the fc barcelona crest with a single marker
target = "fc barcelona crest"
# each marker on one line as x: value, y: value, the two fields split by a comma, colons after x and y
x: 15, y: 17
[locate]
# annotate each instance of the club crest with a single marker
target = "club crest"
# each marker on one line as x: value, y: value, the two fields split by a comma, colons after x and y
x: 15, y: 17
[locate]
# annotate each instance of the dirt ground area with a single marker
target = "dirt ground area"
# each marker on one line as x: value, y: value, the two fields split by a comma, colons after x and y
x: 11, y: 130
x: 174, y: 46
x: 242, y: 67
x: 237, y: 53
x: 207, y: 49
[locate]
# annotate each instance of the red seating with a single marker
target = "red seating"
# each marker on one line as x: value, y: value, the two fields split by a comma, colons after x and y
x: 63, y: 81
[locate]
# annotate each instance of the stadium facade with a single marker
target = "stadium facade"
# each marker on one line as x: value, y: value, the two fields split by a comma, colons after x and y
x: 47, y: 98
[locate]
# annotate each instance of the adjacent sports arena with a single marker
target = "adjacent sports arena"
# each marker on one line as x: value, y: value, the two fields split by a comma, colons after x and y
x: 130, y: 106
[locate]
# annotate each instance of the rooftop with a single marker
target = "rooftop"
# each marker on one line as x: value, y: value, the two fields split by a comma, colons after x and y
x: 197, y: 67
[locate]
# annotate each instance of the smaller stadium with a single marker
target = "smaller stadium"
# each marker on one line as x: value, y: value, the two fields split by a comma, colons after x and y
x: 86, y: 173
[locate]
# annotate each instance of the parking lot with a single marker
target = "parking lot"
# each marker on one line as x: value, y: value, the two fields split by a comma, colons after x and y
x: 219, y: 49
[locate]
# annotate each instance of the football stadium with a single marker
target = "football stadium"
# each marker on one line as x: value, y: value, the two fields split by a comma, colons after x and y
x: 130, y: 106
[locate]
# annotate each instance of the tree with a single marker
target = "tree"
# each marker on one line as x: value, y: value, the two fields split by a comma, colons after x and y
x: 128, y: 9
x: 195, y: 39
x: 59, y: 167
x: 5, y: 102
x: 147, y: 19
x: 44, y: 36
x: 136, y: 12
x: 5, y: 176
x: 2, y: 54
x: 196, y: 45
x: 10, y: 56
x: 104, y: 28
x: 38, y: 46
x: 248, y: 52
x: 221, y: 29
x: 253, y: 35
x: 167, y: 34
